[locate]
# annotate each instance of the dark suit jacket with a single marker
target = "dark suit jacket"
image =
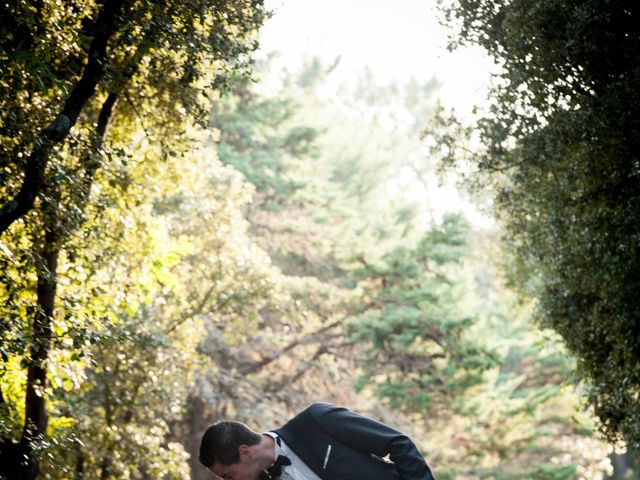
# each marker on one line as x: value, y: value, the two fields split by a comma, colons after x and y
x: 338, y: 444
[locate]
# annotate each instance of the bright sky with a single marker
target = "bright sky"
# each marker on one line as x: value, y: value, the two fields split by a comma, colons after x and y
x: 395, y: 40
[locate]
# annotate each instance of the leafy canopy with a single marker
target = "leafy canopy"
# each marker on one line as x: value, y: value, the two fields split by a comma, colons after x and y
x: 561, y: 141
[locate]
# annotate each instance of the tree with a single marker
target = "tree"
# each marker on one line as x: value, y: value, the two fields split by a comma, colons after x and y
x: 420, y: 355
x: 69, y: 69
x: 179, y: 40
x: 560, y: 150
x: 154, y: 271
x: 182, y: 267
x: 322, y: 202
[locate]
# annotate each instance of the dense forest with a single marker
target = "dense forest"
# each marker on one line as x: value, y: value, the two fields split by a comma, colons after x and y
x: 180, y: 244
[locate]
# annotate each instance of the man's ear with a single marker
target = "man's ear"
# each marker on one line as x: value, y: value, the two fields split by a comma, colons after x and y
x: 245, y: 452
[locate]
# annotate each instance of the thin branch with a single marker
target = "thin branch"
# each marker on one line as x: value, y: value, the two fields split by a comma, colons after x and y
x: 297, y: 375
x: 254, y: 367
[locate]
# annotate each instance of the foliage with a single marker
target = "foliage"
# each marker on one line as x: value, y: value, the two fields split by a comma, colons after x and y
x: 92, y: 89
x: 524, y: 415
x: 257, y: 138
x: 143, y: 371
x: 420, y: 352
x: 98, y: 57
x: 561, y: 140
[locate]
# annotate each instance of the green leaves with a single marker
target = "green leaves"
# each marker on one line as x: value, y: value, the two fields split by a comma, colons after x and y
x: 130, y: 88
x: 560, y: 141
x: 417, y: 343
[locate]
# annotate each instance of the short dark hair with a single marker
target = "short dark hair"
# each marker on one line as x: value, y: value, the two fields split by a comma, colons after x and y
x: 221, y: 442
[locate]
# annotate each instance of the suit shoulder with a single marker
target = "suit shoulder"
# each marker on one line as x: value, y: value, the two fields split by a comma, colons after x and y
x: 318, y: 408
x: 321, y: 407
x: 311, y: 415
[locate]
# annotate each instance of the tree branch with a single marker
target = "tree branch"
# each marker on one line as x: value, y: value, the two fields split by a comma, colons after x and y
x: 60, y: 127
x: 255, y: 366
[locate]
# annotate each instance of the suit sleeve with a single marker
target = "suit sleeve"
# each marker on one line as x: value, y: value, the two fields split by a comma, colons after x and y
x: 368, y: 435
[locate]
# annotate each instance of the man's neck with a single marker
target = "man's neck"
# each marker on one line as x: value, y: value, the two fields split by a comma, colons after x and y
x: 267, y: 450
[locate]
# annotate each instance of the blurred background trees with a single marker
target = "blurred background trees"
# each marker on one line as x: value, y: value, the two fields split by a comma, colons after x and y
x: 382, y: 295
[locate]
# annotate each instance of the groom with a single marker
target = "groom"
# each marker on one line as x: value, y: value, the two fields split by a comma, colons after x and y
x: 323, y: 442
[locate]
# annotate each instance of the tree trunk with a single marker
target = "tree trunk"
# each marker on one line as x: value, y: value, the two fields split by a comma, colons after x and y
x: 624, y: 466
x: 36, y: 418
x: 79, y: 472
x: 105, y: 468
x: 196, y: 422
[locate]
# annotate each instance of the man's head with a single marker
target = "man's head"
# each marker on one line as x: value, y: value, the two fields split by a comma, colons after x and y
x: 233, y: 451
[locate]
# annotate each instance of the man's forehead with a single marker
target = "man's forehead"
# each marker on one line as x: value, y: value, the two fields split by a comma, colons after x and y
x: 218, y: 470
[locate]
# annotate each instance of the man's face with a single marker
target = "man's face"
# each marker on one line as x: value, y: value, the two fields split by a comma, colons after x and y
x: 235, y: 471
x: 246, y: 468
